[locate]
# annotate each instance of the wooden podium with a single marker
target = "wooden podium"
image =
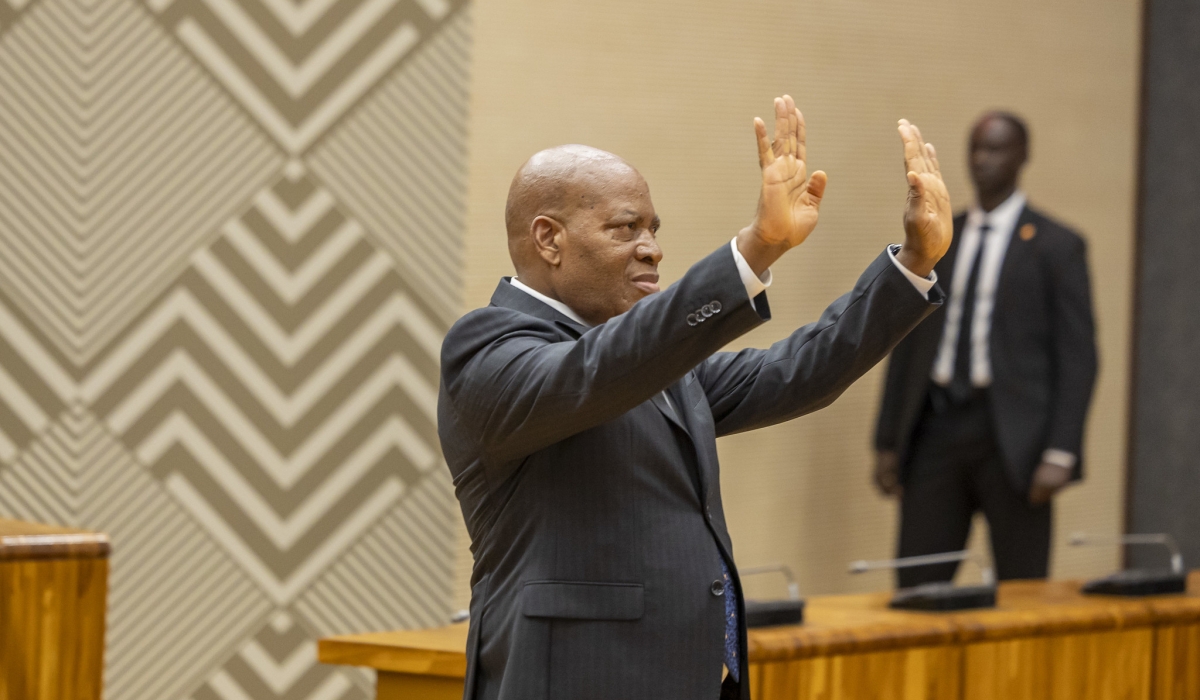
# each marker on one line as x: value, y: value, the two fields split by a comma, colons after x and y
x: 53, y: 592
x: 1043, y: 641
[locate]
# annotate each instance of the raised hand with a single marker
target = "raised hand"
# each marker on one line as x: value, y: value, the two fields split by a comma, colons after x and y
x: 928, y: 219
x: 790, y: 198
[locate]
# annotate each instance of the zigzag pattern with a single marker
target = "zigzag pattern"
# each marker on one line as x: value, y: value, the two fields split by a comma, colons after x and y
x: 280, y: 662
x: 231, y: 371
x: 384, y: 582
x: 409, y: 185
x: 298, y: 67
x: 176, y: 600
x: 284, y: 390
x: 120, y: 158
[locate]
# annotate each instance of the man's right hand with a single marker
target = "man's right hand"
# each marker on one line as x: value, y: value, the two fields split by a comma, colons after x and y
x: 887, y: 472
x: 790, y: 198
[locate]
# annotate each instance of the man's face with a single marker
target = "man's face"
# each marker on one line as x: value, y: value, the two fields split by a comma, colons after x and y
x: 609, y: 254
x: 996, y: 156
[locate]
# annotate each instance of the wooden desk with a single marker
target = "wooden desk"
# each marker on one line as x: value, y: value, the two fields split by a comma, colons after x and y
x: 1044, y: 640
x: 53, y: 589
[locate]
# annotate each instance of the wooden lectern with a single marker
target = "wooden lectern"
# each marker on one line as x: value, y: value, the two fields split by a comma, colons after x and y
x: 1043, y: 641
x: 53, y: 590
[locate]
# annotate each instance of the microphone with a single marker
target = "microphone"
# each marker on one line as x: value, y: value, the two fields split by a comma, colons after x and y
x: 1140, y: 581
x: 769, y: 613
x: 937, y: 596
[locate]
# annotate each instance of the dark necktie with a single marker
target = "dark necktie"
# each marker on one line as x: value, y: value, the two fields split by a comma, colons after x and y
x: 960, y: 382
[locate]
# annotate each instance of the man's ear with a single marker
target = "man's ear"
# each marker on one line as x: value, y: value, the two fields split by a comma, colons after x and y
x: 547, y: 235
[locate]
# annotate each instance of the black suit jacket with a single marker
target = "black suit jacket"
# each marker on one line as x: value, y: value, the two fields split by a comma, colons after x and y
x: 594, y: 512
x: 1042, y: 346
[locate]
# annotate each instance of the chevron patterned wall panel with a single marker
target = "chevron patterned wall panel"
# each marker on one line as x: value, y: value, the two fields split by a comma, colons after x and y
x: 230, y: 244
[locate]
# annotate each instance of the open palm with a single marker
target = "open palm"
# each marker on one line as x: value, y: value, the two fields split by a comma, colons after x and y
x: 928, y: 215
x: 790, y: 199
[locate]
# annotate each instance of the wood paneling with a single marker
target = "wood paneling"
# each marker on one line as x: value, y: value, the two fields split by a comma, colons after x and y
x: 436, y: 652
x: 1177, y: 662
x: 407, y: 686
x: 1043, y: 641
x: 924, y: 673
x: 1092, y: 666
x: 53, y: 589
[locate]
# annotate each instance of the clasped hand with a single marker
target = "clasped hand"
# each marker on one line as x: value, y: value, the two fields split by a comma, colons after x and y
x: 791, y: 198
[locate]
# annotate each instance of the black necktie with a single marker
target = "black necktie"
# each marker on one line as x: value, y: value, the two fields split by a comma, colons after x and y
x: 960, y: 383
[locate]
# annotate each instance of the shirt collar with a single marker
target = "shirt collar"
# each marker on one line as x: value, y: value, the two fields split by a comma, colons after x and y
x: 552, y: 303
x: 1002, y: 218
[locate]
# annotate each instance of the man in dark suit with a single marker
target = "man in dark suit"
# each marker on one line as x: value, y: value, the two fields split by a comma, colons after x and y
x: 579, y: 414
x: 985, y: 401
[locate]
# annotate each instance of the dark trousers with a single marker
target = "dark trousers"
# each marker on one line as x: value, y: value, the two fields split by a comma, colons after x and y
x: 955, y: 470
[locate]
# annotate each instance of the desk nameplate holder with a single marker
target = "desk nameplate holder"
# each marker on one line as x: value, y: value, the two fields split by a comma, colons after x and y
x: 936, y: 597
x: 1136, y: 582
x: 771, y: 613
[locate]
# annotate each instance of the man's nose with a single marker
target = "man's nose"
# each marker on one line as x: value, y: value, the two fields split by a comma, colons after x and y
x: 649, y: 250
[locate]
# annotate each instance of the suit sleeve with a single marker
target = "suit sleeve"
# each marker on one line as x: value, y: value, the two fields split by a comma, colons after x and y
x: 887, y: 426
x: 516, y: 386
x: 1074, y: 342
x: 810, y: 368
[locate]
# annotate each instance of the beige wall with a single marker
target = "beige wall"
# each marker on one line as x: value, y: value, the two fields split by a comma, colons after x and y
x: 672, y: 86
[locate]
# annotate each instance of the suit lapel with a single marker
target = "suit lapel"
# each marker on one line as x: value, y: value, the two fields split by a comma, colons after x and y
x: 1020, y: 244
x: 706, y: 465
x: 510, y: 297
x: 677, y: 416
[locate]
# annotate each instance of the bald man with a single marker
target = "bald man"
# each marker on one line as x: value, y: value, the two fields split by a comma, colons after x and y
x: 579, y: 414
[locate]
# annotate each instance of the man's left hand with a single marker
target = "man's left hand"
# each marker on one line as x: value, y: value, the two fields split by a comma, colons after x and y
x: 928, y: 218
x: 1048, y: 479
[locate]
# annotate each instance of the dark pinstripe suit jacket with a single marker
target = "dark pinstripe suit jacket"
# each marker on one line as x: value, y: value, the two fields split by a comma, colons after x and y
x: 595, y: 515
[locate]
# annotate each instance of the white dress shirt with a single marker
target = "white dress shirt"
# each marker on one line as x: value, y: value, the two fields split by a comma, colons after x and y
x: 1002, y: 222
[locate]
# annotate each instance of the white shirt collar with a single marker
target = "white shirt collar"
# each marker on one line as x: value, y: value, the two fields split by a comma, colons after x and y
x: 1002, y: 218
x: 552, y: 303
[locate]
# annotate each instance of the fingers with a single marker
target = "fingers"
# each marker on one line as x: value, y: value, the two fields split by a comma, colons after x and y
x: 765, y: 155
x: 790, y: 131
x: 793, y: 124
x: 912, y: 148
x: 937, y: 168
x: 918, y: 155
x: 801, y: 138
x: 816, y: 186
x: 782, y: 126
x: 916, y: 186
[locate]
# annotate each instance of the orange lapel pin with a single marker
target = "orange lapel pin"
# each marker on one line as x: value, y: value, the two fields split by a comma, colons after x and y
x: 1028, y: 231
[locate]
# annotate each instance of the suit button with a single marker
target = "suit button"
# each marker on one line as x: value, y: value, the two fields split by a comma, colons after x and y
x: 706, y: 311
x: 715, y: 306
x: 717, y: 588
x: 692, y: 320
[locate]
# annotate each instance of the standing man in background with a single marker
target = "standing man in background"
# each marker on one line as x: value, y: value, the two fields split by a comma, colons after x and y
x: 984, y: 403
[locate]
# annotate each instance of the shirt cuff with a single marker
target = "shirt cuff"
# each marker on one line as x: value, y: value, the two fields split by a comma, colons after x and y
x: 754, y: 284
x: 1059, y: 458
x: 923, y: 284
